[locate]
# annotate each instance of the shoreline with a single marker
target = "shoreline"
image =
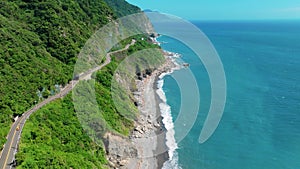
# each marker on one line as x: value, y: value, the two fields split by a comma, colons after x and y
x: 148, y: 89
x: 147, y: 145
x: 171, y: 66
x: 161, y: 143
x: 163, y: 157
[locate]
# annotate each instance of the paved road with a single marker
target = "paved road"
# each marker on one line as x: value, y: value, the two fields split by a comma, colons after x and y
x: 10, y: 149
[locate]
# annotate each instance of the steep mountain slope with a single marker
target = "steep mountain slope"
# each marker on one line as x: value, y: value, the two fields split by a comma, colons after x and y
x: 39, y: 44
x: 53, y: 137
x: 122, y: 7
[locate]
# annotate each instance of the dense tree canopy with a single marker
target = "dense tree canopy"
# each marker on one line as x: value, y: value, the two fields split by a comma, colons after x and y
x: 122, y: 7
x: 53, y: 137
x: 39, y: 41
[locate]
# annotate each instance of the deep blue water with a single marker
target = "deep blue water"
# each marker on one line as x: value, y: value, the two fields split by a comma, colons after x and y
x: 260, y: 128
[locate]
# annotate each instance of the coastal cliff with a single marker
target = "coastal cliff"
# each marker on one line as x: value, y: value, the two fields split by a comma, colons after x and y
x: 145, y: 146
x: 39, y: 45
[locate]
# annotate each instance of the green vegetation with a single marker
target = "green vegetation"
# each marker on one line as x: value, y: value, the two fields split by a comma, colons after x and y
x: 122, y: 8
x: 114, y: 115
x: 109, y: 93
x: 103, y: 94
x: 54, y: 138
x: 39, y: 44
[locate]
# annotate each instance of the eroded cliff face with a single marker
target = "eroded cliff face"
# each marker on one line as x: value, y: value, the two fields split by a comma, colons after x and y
x: 145, y: 146
x: 120, y: 150
x: 128, y: 69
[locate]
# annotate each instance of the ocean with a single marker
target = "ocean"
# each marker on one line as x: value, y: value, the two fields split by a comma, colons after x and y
x: 260, y: 127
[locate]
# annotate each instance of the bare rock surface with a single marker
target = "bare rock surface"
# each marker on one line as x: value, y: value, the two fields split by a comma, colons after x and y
x: 146, y: 142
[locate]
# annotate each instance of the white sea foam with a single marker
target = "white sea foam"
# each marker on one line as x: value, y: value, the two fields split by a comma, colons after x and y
x: 167, y: 120
x: 173, y: 163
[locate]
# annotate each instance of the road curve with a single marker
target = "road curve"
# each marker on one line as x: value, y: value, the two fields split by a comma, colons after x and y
x: 7, y: 158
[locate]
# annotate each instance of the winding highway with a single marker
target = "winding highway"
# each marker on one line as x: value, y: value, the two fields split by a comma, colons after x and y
x: 7, y: 156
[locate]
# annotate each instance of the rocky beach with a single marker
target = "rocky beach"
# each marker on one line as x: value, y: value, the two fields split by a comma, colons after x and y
x: 146, y: 146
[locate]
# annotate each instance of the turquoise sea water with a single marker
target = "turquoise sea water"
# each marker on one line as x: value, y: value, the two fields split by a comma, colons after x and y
x: 260, y: 128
